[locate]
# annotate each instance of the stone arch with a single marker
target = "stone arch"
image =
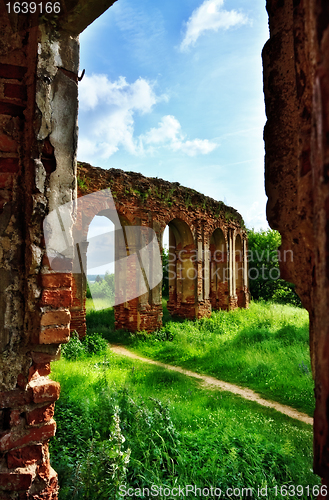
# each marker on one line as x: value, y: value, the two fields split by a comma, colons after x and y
x: 182, y: 270
x: 87, y: 208
x: 218, y: 270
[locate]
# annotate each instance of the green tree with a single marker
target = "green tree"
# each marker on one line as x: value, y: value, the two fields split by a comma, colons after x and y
x: 264, y: 272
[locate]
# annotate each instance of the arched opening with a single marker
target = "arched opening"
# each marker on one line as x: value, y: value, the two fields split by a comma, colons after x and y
x: 100, y: 262
x: 218, y: 270
x: 182, y: 273
x: 165, y: 276
x: 239, y: 270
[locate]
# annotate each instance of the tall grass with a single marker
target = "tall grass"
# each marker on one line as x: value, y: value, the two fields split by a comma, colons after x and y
x: 265, y: 347
x: 178, y: 432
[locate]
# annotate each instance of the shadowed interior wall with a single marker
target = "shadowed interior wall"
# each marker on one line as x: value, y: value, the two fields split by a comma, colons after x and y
x: 38, y: 115
x: 296, y: 86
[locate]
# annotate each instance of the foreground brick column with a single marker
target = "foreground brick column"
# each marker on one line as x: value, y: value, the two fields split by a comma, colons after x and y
x: 296, y: 85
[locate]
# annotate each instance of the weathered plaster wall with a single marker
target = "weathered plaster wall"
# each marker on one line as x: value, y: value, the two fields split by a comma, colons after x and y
x: 38, y: 113
x: 296, y: 85
x: 192, y: 218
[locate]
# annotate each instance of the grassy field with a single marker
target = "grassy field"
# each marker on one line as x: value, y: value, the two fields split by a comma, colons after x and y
x: 265, y: 348
x: 178, y: 432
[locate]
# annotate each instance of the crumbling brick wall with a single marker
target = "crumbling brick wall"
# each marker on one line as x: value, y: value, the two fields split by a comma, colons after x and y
x: 195, y: 256
x: 36, y: 177
x: 38, y: 113
x: 296, y: 85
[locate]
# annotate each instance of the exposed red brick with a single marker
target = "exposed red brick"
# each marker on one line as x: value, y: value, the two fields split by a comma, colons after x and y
x: 6, y: 181
x: 59, y: 264
x: 15, y: 482
x: 22, y: 381
x: 43, y: 357
x: 7, y: 144
x: 24, y: 456
x: 9, y: 165
x: 39, y: 370
x: 54, y: 336
x: 17, y: 439
x: 49, y: 164
x: 55, y: 318
x: 56, y: 280
x: 8, y: 108
x: 11, y: 71
x: 45, y: 390
x: 56, y: 298
x: 15, y: 418
x: 40, y: 415
x: 15, y: 91
x: 17, y: 397
x: 48, y: 148
x: 45, y: 471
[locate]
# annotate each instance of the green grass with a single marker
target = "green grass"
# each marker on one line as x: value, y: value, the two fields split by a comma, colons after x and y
x: 265, y: 348
x: 179, y: 433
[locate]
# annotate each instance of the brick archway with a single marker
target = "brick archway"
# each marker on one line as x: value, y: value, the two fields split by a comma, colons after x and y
x: 190, y: 226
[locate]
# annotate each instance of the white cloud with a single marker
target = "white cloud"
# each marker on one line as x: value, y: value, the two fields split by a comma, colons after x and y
x: 110, y: 109
x: 169, y: 133
x: 196, y: 147
x: 255, y: 216
x: 210, y: 16
x: 168, y: 130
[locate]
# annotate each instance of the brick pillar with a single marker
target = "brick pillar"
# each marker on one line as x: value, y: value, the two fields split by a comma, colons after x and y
x: 233, y: 300
x: 35, y: 299
x: 246, y: 294
x: 79, y: 289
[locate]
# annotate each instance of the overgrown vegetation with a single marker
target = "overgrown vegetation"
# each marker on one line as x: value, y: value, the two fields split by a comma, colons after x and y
x: 82, y: 183
x: 264, y: 274
x: 102, y: 288
x: 91, y: 344
x: 265, y: 348
x: 125, y: 424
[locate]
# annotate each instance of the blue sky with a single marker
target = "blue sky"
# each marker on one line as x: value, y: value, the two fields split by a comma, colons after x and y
x: 174, y: 90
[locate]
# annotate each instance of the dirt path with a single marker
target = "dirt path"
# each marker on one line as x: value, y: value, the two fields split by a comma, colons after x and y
x: 225, y: 386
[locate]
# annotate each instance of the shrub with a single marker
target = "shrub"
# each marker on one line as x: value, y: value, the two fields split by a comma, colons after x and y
x: 264, y: 273
x: 91, y: 344
x: 74, y: 349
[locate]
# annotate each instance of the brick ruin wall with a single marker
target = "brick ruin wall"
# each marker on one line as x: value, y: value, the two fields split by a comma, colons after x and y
x: 151, y: 202
x: 38, y: 114
x: 38, y: 88
x: 296, y: 86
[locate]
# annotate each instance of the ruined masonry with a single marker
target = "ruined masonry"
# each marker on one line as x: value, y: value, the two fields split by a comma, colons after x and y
x: 207, y: 246
x: 38, y: 174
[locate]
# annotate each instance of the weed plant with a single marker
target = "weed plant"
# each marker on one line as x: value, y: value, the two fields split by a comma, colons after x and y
x: 125, y: 424
x: 92, y: 343
x: 265, y: 348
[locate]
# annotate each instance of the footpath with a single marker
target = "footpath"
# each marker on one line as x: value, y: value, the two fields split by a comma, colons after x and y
x: 225, y: 386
